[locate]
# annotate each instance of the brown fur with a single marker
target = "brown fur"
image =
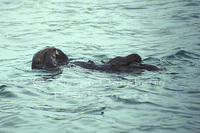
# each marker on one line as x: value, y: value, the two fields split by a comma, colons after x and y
x: 125, y: 61
x: 48, y: 57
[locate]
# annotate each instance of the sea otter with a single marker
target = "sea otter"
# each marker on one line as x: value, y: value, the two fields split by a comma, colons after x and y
x: 130, y: 63
x: 125, y: 61
x: 49, y: 58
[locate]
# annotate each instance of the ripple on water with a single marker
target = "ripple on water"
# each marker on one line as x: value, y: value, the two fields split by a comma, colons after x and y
x: 2, y: 87
x: 5, y: 93
x: 192, y: 4
x: 182, y: 57
x: 188, y: 55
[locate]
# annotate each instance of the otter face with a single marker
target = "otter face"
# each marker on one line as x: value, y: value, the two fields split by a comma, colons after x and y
x: 134, y: 58
x: 49, y: 58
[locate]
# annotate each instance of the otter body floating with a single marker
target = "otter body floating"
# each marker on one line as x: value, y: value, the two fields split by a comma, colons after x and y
x: 130, y: 63
x: 51, y: 58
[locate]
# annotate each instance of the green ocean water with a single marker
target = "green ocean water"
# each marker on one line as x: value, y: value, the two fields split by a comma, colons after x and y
x: 77, y: 100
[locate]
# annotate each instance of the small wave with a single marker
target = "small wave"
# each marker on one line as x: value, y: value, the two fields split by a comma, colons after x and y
x: 2, y: 87
x: 195, y: 15
x: 80, y: 109
x: 7, y: 94
x: 193, y: 92
x: 180, y: 17
x: 134, y: 8
x: 151, y: 59
x: 135, y: 101
x: 186, y: 54
x: 198, y: 44
x: 182, y: 54
x: 192, y: 4
x: 166, y: 88
x: 193, y: 108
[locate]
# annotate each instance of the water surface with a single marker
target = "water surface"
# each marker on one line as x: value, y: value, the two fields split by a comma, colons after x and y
x: 163, y: 33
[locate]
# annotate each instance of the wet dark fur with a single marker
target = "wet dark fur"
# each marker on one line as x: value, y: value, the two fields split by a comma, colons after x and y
x: 49, y: 58
x: 125, y: 61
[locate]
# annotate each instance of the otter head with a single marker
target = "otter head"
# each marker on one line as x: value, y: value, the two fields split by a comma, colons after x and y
x: 125, y: 61
x: 134, y: 58
x: 49, y: 58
